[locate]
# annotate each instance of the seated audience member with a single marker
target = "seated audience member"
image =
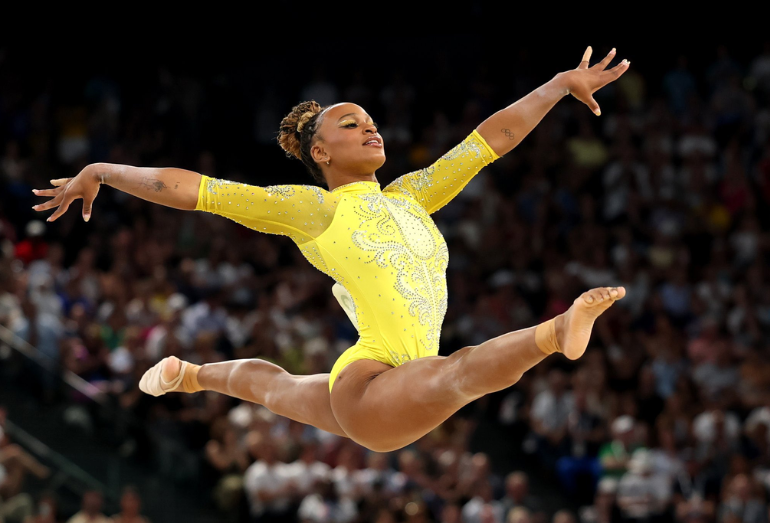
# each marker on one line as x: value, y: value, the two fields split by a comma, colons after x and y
x: 91, y: 511
x: 130, y: 508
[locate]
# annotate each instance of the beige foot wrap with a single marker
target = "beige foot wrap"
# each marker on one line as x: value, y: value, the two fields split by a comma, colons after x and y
x: 152, y: 382
x: 545, y: 337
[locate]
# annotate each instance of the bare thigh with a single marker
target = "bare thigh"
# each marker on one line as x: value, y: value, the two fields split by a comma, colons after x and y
x: 301, y: 398
x: 385, y: 408
x: 305, y: 399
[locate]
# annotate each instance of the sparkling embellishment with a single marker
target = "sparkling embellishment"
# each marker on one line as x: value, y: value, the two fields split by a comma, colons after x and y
x: 401, y: 258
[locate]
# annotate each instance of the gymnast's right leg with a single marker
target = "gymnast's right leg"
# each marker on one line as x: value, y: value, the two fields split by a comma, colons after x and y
x: 305, y: 399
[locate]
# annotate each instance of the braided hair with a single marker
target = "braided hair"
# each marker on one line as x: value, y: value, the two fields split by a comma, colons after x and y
x: 296, y: 134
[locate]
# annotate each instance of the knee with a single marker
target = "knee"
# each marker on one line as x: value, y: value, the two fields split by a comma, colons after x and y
x: 267, y: 387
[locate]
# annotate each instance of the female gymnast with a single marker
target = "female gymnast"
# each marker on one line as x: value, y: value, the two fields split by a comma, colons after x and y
x: 387, y: 258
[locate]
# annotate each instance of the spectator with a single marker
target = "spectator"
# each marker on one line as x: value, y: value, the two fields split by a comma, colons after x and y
x: 324, y: 505
x: 716, y: 431
x: 615, y: 455
x: 550, y: 414
x: 517, y: 494
x: 481, y: 502
x: 15, y: 465
x: 308, y: 470
x: 586, y: 433
x: 605, y: 508
x: 451, y: 513
x: 230, y: 460
x: 641, y: 495
x: 270, y: 489
x: 47, y: 510
x: 130, y: 508
x: 743, y: 502
x: 564, y: 516
x: 519, y: 515
x: 91, y: 511
x: 695, y: 491
x: 379, y: 472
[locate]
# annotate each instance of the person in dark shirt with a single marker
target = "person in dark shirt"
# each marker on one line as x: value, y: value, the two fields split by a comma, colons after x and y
x: 649, y: 404
x: 696, y: 492
x: 585, y: 432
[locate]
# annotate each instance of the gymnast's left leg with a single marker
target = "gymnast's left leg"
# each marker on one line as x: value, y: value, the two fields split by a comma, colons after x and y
x: 385, y: 408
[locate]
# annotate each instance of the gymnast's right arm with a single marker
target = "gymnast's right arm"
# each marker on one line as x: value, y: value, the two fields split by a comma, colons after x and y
x: 301, y: 212
x: 177, y: 188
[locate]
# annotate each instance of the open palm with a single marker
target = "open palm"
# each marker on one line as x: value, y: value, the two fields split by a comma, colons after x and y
x: 584, y: 81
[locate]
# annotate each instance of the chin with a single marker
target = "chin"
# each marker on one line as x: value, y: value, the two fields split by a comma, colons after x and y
x: 376, y: 167
x: 372, y: 163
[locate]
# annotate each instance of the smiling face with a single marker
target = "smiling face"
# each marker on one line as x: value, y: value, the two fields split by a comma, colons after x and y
x: 348, y: 139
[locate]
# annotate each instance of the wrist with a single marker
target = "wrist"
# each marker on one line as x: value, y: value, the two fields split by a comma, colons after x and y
x: 100, y: 172
x: 562, y: 82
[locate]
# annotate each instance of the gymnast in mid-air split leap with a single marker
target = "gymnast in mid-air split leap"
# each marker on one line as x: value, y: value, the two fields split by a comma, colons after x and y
x: 387, y: 258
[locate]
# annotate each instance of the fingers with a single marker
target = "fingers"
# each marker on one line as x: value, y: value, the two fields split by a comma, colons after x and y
x: 60, y: 181
x: 50, y: 204
x: 87, y: 210
x: 607, y: 59
x: 88, y: 201
x: 47, y: 192
x: 614, y: 73
x: 66, y: 201
x: 586, y: 58
x: 591, y: 103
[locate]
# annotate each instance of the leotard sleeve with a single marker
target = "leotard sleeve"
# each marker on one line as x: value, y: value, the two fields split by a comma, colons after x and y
x: 435, y: 186
x: 302, y: 212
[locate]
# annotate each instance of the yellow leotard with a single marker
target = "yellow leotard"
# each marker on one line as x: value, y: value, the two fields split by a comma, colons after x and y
x: 380, y: 245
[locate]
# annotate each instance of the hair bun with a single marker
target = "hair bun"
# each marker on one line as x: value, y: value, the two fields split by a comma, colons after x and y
x: 304, y: 119
x: 290, y: 132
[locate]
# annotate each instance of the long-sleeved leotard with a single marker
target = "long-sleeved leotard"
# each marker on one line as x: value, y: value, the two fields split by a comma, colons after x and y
x: 380, y: 245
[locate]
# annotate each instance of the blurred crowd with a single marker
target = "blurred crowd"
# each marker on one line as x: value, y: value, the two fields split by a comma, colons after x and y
x: 665, y: 418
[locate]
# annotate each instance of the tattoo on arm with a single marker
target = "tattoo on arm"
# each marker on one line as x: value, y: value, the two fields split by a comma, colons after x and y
x: 151, y: 184
x: 508, y: 133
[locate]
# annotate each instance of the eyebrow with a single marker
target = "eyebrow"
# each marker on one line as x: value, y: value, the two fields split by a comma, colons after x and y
x: 351, y: 114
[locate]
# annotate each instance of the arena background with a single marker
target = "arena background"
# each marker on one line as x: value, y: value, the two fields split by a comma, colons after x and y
x: 665, y: 418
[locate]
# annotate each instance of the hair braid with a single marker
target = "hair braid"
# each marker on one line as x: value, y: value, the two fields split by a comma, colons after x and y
x: 296, y: 134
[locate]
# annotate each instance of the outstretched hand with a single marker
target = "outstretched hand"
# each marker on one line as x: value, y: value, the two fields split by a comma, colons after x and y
x: 584, y: 81
x: 66, y: 190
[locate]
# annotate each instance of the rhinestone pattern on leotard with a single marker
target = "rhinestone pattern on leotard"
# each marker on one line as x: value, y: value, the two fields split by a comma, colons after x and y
x: 381, y: 245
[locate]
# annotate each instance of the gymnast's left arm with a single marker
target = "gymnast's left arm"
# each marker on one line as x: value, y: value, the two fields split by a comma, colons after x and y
x: 505, y: 129
x: 435, y: 186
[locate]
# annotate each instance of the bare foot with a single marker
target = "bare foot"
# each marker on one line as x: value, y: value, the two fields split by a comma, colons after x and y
x: 170, y: 369
x: 574, y: 329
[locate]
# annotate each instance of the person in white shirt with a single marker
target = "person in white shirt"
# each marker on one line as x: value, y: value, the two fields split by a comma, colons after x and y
x: 641, y: 494
x: 270, y: 488
x: 326, y: 506
x: 483, y: 501
x: 307, y: 470
x: 378, y: 471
